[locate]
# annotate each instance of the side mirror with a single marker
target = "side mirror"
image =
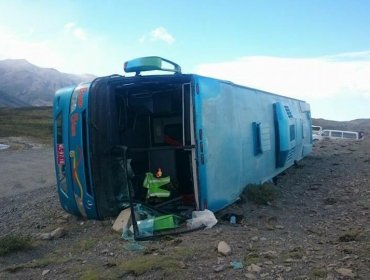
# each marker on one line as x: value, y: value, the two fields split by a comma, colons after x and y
x: 151, y: 63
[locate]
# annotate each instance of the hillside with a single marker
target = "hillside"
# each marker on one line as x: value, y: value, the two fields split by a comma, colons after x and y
x: 24, y: 84
x: 354, y: 125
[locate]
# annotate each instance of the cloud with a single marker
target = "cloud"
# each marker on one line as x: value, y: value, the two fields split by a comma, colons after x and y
x: 78, y: 32
x: 60, y: 51
x: 158, y: 34
x: 14, y: 46
x: 68, y: 26
x: 305, y: 78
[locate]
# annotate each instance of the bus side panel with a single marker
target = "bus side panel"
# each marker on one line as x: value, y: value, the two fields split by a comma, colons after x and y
x: 63, y: 168
x: 238, y: 140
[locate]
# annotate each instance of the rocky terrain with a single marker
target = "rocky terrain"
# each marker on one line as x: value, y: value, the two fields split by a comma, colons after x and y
x: 318, y: 227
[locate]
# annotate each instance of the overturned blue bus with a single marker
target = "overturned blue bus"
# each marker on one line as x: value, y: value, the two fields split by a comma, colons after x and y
x: 209, y: 138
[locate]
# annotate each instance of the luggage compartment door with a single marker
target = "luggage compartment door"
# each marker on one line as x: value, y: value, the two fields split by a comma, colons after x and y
x: 285, y: 131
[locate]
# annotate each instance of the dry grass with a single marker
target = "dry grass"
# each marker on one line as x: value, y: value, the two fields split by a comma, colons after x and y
x: 261, y: 194
x: 33, y: 122
x: 169, y: 263
x: 14, y: 243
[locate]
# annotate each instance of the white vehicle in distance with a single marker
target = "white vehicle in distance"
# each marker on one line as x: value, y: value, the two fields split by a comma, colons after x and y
x: 339, y: 134
x: 316, y: 133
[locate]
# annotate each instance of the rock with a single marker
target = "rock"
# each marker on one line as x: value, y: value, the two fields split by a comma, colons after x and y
x: 182, y: 265
x: 279, y: 227
x: 66, y: 217
x: 263, y: 239
x: 44, y: 272
x: 270, y: 254
x: 254, y: 238
x: 223, y: 248
x: 219, y: 268
x: 61, y: 221
x: 330, y: 277
x: 250, y: 276
x: 123, y: 220
x: 289, y: 260
x: 270, y: 227
x: 345, y: 272
x: 268, y: 263
x: 254, y: 268
x: 288, y: 269
x: 45, y: 236
x: 58, y: 232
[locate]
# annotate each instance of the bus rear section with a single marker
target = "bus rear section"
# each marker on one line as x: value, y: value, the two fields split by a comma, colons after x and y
x: 142, y: 142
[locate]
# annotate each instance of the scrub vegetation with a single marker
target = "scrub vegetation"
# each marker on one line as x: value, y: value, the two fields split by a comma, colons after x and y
x: 33, y: 122
x: 51, y: 259
x: 87, y: 244
x: 14, y: 243
x: 261, y: 194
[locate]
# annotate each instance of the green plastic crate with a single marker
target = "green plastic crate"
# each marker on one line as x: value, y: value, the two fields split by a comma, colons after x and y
x: 165, y: 222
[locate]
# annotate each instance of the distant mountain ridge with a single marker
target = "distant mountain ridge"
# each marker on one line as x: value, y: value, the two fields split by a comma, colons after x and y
x: 25, y: 84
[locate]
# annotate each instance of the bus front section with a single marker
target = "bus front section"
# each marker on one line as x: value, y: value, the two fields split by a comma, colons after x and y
x: 71, y: 151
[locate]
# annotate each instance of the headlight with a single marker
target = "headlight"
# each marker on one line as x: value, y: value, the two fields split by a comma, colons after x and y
x: 74, y: 99
x: 77, y: 97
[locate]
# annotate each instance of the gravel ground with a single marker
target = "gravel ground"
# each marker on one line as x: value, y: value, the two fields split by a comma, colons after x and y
x: 317, y: 228
x: 25, y: 166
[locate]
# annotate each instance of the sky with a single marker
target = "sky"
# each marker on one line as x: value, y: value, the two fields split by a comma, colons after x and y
x: 315, y: 50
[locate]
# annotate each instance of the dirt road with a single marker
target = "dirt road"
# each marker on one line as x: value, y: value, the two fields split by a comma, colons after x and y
x: 25, y: 166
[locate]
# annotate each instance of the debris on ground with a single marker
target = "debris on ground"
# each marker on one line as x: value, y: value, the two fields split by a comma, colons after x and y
x: 236, y: 264
x: 122, y: 221
x: 223, y: 248
x: 202, y: 218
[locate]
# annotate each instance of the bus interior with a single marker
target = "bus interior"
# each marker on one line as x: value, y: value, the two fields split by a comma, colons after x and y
x: 156, y: 148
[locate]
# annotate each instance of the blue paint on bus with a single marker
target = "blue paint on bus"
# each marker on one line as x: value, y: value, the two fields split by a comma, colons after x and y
x: 212, y: 136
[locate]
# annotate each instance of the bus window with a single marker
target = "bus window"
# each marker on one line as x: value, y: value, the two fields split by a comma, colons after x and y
x: 349, y: 135
x: 337, y: 134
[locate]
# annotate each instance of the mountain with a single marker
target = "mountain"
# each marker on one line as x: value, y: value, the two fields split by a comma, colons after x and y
x: 24, y: 84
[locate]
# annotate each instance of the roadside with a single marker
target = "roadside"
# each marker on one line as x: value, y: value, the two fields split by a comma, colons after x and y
x: 25, y: 166
x: 317, y: 228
